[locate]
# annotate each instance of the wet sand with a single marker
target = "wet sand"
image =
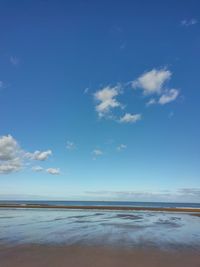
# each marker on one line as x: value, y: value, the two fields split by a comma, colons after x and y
x: 77, y: 256
x: 43, y: 206
x: 196, y: 214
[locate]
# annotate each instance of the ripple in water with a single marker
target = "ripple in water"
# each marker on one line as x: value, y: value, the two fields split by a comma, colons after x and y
x: 113, y: 228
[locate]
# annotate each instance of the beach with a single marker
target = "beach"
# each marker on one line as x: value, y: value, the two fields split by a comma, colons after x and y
x: 99, y: 133
x: 76, y: 256
x: 98, y: 236
x: 102, y: 207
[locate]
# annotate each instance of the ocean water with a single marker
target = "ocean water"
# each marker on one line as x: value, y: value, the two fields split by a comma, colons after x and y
x: 95, y: 227
x: 106, y: 203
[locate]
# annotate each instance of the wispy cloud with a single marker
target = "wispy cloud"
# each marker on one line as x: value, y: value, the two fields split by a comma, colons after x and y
x: 123, y: 45
x: 37, y: 169
x: 130, y: 118
x: 97, y: 152
x: 71, y: 145
x: 39, y: 155
x: 1, y: 84
x: 151, y: 102
x: 182, y: 195
x: 14, y: 60
x: 194, y: 192
x: 86, y: 90
x: 171, y: 115
x: 121, y: 147
x: 189, y: 22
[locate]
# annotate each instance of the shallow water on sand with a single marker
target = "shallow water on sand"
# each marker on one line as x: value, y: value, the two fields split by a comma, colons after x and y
x: 115, y: 228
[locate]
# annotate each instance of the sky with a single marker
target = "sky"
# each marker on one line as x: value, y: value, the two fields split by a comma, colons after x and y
x: 99, y: 100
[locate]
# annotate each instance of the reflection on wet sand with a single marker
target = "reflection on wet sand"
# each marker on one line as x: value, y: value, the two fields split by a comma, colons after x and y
x: 132, y: 228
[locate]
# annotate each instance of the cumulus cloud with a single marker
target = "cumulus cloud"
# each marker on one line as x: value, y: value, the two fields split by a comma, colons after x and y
x: 10, y: 153
x: 168, y: 96
x: 13, y: 158
x: 121, y: 147
x: 189, y: 22
x: 39, y: 155
x: 130, y: 118
x: 106, y: 99
x: 70, y: 145
x: 8, y: 148
x: 10, y: 166
x: 53, y: 171
x: 152, y: 82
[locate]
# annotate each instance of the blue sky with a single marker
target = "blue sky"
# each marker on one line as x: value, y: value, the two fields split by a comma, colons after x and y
x: 100, y: 100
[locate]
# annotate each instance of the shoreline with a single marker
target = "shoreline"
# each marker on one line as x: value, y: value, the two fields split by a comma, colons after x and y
x: 87, y: 256
x: 117, y: 208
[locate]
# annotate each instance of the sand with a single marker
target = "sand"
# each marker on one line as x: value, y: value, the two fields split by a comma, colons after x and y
x: 76, y: 256
x: 43, y: 206
x: 88, y: 256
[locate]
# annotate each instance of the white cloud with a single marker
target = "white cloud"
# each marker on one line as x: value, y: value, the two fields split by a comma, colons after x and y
x: 39, y: 155
x: 130, y: 118
x: 168, y: 96
x: 10, y: 166
x: 152, y: 101
x: 70, y: 145
x: 8, y: 147
x: 86, y: 91
x: 10, y: 153
x: 189, y: 22
x: 106, y: 99
x: 177, y: 195
x: 53, y: 171
x: 13, y: 158
x: 97, y: 152
x: 152, y: 82
x: 37, y: 169
x: 121, y: 147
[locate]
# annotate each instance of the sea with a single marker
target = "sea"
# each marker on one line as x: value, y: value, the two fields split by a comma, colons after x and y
x: 104, y: 203
x: 163, y: 230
